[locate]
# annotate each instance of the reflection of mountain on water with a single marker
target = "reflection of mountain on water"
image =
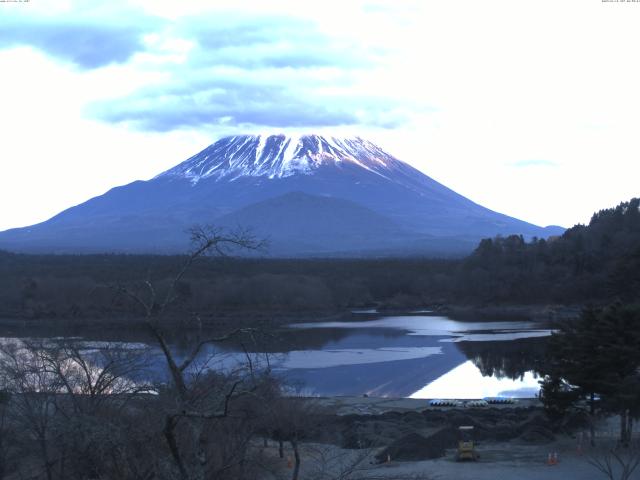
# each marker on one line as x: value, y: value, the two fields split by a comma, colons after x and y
x: 285, y: 340
x: 401, y: 378
x: 505, y: 359
x: 398, y: 378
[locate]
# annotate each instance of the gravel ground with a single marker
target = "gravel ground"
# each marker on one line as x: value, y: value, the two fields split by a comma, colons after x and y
x: 506, y: 461
x: 497, y: 461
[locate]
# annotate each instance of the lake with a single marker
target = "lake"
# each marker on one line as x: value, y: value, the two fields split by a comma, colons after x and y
x: 419, y: 355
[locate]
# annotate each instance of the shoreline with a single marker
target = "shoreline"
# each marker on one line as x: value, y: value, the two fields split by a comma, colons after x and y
x: 354, y: 405
x: 225, y: 319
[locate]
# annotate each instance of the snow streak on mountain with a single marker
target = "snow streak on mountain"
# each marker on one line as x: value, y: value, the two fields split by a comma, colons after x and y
x: 280, y: 156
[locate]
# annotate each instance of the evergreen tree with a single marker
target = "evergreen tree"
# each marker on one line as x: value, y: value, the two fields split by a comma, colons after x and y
x: 597, y: 356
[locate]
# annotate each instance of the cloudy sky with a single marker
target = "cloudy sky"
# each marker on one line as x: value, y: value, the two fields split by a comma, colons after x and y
x: 531, y: 108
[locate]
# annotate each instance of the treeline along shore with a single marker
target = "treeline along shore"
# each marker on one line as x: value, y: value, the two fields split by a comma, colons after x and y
x: 589, y: 264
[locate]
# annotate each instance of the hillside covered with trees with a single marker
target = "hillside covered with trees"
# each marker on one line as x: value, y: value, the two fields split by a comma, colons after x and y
x: 589, y: 264
x: 595, y: 262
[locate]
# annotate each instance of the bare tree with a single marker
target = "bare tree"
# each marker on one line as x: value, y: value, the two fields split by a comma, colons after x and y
x: 617, y: 463
x: 91, y: 378
x: 192, y: 404
x: 290, y: 419
x: 89, y: 414
x: 68, y: 400
x: 34, y: 395
x: 205, y: 241
x: 6, y: 446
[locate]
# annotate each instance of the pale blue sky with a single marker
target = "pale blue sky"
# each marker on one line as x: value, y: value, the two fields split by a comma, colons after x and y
x: 529, y: 108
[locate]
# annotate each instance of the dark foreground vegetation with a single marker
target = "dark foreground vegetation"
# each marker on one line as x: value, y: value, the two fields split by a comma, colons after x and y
x: 69, y: 411
x: 598, y: 263
x: 593, y: 363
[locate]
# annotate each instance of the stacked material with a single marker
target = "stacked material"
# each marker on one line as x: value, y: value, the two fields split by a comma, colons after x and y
x: 446, y: 403
x: 477, y: 403
x: 499, y: 400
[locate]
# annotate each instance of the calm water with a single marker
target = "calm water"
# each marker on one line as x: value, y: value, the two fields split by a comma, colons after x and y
x: 420, y: 356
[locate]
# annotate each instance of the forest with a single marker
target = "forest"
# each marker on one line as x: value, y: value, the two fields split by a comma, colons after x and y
x: 589, y: 264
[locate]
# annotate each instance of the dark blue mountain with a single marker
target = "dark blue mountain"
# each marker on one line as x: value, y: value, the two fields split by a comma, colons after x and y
x: 350, y: 196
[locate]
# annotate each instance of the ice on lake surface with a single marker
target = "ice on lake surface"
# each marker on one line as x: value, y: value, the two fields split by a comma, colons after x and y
x: 442, y: 326
x: 343, y: 357
x: 417, y: 356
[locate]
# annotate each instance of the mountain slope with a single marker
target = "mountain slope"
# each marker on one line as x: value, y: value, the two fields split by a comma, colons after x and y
x: 237, y: 172
x: 299, y: 223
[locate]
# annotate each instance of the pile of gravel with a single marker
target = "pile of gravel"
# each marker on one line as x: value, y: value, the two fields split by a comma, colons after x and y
x: 424, y: 435
x: 415, y: 447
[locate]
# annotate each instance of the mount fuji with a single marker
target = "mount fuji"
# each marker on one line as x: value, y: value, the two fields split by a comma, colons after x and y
x: 309, y: 195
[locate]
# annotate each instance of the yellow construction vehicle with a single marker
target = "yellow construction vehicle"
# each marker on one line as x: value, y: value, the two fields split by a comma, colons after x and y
x: 466, y: 445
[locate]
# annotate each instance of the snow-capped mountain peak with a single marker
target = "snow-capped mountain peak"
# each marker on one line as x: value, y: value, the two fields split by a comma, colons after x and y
x: 279, y: 156
x: 309, y: 194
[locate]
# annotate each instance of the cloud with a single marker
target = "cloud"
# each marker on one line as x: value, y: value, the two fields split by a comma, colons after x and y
x: 220, y: 104
x: 534, y: 163
x: 228, y: 99
x: 86, y: 42
x: 270, y: 41
x: 227, y: 67
x: 263, y: 71
x: 232, y: 29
